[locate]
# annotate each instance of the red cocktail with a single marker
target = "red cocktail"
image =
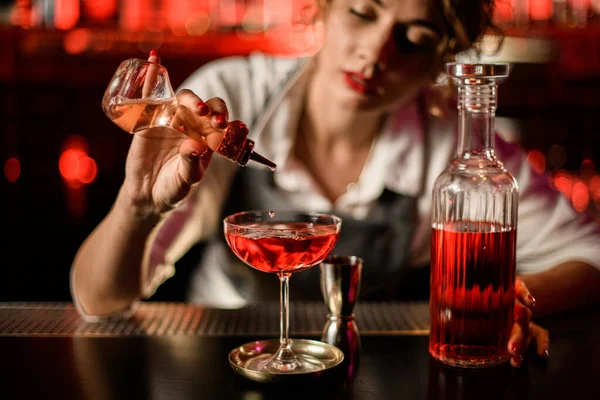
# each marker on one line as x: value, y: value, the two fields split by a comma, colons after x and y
x: 280, y: 248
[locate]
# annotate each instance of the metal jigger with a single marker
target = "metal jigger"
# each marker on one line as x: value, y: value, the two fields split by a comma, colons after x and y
x: 340, y: 286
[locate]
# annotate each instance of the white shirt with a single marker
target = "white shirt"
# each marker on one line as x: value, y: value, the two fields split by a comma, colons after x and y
x: 549, y: 231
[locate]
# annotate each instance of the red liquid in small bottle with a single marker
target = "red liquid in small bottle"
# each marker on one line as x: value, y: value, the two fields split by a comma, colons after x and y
x: 472, y: 294
x: 270, y: 249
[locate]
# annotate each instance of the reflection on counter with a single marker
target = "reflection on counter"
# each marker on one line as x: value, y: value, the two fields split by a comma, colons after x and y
x: 345, y: 335
x: 503, y: 382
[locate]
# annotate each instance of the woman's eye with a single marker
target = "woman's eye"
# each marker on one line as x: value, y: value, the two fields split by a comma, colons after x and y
x: 410, y: 43
x: 366, y: 17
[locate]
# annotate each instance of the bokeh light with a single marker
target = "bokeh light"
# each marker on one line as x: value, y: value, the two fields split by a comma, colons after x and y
x: 87, y: 170
x: 68, y: 164
x: 563, y: 182
x: 74, y: 164
x: 540, y: 9
x: 77, y: 41
x: 594, y: 184
x: 100, y: 9
x: 594, y: 187
x: 12, y: 169
x: 537, y: 160
x: 197, y: 24
x: 66, y: 14
x: 580, y: 197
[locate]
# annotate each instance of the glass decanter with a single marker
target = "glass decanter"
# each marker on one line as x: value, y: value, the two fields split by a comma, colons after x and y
x: 474, y: 221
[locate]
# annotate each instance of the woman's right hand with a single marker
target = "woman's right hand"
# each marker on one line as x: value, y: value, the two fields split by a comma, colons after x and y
x: 163, y: 165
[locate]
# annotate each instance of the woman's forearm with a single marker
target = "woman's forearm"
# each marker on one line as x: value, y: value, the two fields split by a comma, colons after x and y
x: 107, y: 270
x: 564, y: 287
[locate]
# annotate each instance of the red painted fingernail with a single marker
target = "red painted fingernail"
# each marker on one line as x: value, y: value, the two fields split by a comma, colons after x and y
x: 202, y: 107
x: 221, y: 120
x: 516, y: 347
x: 531, y: 300
x: 153, y: 52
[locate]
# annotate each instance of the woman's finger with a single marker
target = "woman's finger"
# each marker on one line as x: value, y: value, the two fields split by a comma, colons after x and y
x: 151, y: 74
x: 519, y: 337
x: 542, y: 339
x: 523, y: 294
x: 192, y: 120
x: 219, y: 114
x: 203, y: 108
x: 193, y: 159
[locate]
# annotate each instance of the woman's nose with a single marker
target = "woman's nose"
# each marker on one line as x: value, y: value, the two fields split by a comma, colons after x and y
x: 378, y: 47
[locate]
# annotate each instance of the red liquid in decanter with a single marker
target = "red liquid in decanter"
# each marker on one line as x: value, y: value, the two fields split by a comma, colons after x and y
x: 472, y: 295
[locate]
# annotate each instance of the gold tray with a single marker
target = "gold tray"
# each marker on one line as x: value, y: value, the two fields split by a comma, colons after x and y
x: 329, y: 355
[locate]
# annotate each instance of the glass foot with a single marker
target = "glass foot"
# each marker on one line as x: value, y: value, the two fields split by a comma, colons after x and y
x: 470, y: 356
x: 260, y: 361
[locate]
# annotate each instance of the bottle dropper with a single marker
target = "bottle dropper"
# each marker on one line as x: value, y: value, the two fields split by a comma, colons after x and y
x: 236, y: 147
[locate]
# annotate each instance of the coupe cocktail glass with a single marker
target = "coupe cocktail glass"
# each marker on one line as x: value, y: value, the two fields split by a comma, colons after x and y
x: 282, y: 243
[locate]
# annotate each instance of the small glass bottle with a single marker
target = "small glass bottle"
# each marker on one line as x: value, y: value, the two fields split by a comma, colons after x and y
x: 140, y: 96
x: 474, y: 221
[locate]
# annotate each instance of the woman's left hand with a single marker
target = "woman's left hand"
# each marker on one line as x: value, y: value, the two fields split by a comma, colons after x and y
x: 524, y: 330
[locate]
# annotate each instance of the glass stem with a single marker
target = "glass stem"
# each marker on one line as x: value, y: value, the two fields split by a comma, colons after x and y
x: 284, y: 359
x: 284, y: 313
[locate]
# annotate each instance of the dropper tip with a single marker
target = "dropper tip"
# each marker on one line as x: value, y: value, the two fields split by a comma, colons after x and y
x: 254, y: 156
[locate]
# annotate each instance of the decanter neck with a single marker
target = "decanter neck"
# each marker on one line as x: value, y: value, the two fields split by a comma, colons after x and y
x: 476, y: 113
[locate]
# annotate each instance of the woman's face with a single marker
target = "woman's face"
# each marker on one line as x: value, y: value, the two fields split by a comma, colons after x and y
x: 378, y: 54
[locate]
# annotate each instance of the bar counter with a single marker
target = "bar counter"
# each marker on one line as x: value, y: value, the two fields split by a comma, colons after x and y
x: 179, y: 351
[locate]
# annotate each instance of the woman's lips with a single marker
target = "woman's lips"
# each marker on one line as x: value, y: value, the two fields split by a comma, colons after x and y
x: 360, y: 83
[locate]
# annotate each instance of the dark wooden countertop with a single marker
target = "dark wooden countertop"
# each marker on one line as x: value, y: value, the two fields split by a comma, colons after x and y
x: 180, y: 352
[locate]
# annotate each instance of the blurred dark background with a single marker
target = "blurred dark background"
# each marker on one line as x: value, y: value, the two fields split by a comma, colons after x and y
x: 63, y: 160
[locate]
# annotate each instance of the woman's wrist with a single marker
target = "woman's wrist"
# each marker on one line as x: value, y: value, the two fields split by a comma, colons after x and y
x: 136, y: 214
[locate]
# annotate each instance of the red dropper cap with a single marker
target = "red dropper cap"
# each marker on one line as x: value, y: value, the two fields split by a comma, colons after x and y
x: 236, y: 146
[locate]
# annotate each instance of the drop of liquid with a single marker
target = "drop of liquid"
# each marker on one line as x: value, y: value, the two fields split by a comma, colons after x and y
x: 271, y: 213
x: 273, y: 169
